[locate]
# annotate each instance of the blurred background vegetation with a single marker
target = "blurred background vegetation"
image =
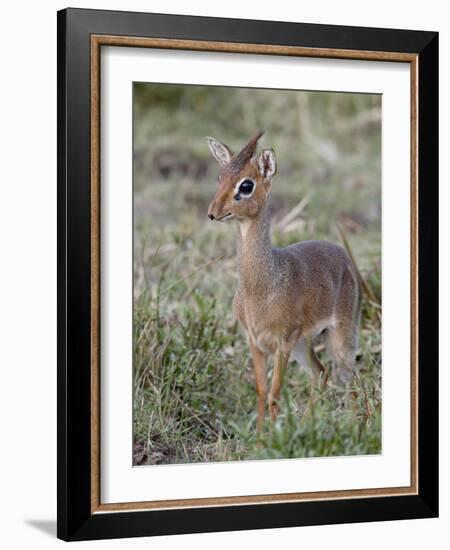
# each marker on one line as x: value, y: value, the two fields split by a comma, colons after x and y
x: 194, y: 397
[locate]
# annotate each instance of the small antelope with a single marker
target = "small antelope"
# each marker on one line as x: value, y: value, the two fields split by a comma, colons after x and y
x: 286, y: 296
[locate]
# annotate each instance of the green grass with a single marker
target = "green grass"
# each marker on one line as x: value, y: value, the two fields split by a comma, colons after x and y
x: 194, y: 397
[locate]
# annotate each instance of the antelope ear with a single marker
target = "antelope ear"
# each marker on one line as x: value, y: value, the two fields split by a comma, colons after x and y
x: 266, y: 163
x: 219, y: 151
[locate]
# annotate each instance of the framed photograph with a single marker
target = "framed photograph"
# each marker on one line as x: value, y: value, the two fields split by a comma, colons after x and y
x: 247, y: 255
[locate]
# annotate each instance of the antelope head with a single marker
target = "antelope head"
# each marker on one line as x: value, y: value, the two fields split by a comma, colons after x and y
x: 244, y: 183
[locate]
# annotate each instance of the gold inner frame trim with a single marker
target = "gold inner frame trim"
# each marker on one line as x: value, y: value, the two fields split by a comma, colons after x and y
x: 97, y: 41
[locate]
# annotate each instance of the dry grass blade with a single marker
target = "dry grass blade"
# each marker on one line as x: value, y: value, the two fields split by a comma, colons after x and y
x: 292, y: 214
x: 195, y: 415
x: 203, y: 266
x: 364, y: 284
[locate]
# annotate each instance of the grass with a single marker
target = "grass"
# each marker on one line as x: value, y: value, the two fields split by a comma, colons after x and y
x: 194, y: 397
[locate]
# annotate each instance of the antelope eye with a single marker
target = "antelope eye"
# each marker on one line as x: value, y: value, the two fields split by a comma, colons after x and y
x: 246, y: 187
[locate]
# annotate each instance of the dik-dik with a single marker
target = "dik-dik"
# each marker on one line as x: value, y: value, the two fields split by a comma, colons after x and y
x: 287, y: 296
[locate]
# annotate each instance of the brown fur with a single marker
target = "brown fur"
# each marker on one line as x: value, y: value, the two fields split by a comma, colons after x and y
x: 286, y: 296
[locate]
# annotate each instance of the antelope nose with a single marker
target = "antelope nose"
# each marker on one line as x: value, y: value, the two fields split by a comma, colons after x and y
x: 211, y: 216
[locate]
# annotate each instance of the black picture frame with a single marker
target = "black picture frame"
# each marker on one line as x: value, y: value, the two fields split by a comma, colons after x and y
x: 75, y: 518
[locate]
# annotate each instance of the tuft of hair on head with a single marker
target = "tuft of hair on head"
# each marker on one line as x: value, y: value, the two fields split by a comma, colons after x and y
x: 239, y: 160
